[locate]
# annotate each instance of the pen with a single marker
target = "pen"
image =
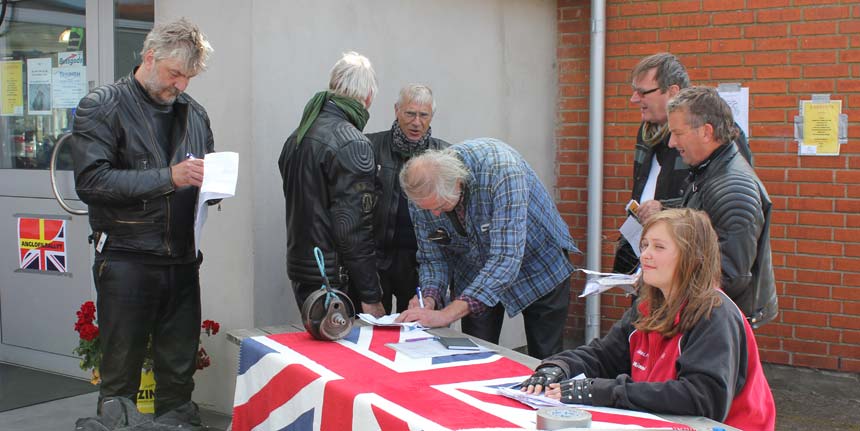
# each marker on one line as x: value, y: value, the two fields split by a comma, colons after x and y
x: 420, y: 297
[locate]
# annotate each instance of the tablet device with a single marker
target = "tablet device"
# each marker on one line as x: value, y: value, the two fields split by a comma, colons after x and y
x: 458, y: 343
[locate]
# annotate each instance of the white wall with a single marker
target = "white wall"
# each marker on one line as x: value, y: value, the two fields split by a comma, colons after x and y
x: 491, y: 64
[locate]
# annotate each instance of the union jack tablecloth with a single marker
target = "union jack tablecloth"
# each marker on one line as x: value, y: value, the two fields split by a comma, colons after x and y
x: 291, y: 382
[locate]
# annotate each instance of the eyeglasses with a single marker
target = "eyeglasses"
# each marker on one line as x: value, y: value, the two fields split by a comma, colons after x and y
x: 410, y: 115
x: 642, y: 92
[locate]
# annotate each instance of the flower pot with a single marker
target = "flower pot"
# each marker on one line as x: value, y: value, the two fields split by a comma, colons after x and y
x: 146, y: 393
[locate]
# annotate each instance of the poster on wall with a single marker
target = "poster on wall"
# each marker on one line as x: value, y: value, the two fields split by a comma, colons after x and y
x: 11, y: 88
x: 39, y: 86
x: 69, y: 86
x: 42, y: 244
x: 70, y: 58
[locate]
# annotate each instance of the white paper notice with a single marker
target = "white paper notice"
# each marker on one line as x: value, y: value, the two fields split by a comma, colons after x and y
x: 739, y: 101
x: 598, y: 282
x: 220, y: 173
x: 39, y: 86
x: 69, y: 86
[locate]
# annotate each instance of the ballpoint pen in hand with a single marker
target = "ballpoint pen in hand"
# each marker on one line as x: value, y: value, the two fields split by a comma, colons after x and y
x: 420, y: 297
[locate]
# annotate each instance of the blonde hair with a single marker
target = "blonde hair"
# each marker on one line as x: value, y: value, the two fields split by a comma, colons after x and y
x: 696, y: 277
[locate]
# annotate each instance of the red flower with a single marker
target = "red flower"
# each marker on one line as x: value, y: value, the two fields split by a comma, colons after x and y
x: 89, y: 332
x: 211, y: 327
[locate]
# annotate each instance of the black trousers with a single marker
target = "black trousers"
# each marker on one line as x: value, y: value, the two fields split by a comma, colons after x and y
x: 399, y: 280
x: 134, y: 301
x: 544, y: 322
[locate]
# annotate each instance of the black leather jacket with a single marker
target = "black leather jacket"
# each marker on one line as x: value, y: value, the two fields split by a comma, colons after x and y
x: 727, y: 188
x: 388, y: 164
x: 330, y: 194
x: 123, y: 174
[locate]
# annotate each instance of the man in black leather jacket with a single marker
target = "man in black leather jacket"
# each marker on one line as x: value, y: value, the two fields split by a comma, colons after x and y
x: 659, y: 173
x: 395, y: 236
x: 137, y: 147
x: 724, y: 185
x: 329, y: 173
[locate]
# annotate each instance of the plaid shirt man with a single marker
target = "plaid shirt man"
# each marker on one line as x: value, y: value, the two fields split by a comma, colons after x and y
x: 513, y: 248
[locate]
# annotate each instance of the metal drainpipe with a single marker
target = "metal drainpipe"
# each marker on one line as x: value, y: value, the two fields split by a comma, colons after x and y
x: 595, y: 160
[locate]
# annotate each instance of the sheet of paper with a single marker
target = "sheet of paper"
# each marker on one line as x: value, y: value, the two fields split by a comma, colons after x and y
x: 220, y: 173
x: 598, y: 282
x: 431, y: 348
x: 535, y: 401
x: 388, y: 320
x: 632, y: 231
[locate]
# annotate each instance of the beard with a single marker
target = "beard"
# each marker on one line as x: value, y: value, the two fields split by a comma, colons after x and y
x: 156, y: 90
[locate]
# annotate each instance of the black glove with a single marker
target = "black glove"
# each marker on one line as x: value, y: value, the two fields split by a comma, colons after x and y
x: 543, y: 376
x: 577, y: 391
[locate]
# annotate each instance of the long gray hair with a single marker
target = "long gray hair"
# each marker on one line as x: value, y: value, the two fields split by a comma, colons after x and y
x: 434, y: 172
x: 353, y: 77
x: 181, y: 40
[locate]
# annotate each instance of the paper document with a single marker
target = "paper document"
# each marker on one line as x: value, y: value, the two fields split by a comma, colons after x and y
x: 220, y: 173
x: 597, y: 282
x: 535, y: 401
x: 431, y: 348
x: 632, y: 231
x: 388, y: 320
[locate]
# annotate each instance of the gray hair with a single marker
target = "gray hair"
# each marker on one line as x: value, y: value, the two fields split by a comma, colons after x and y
x: 669, y: 70
x: 353, y: 77
x: 181, y: 40
x: 703, y: 105
x: 434, y: 172
x: 417, y: 93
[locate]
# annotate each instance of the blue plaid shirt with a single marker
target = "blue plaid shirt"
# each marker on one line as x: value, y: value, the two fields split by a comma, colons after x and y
x: 513, y: 249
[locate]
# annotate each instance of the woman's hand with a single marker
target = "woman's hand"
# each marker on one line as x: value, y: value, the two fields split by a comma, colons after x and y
x: 542, y: 377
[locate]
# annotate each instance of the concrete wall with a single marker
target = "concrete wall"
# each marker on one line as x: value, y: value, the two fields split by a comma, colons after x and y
x: 490, y: 63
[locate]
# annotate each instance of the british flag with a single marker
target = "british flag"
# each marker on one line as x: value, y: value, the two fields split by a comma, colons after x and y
x: 42, y: 244
x: 291, y: 382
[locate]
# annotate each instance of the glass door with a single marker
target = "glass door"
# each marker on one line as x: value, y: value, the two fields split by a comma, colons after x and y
x: 52, y: 52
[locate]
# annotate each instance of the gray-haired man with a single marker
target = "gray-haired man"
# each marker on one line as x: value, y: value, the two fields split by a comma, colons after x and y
x: 131, y: 144
x: 395, y: 236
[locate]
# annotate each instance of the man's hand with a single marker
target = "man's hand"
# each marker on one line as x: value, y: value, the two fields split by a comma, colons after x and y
x: 187, y: 173
x: 647, y: 209
x: 542, y: 377
x: 429, y: 302
x: 376, y: 309
x: 433, y: 318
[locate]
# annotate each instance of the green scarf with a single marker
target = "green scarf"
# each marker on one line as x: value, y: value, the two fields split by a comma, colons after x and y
x: 354, y: 110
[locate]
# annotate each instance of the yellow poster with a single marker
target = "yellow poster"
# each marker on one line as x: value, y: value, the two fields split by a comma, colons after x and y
x: 821, y: 126
x: 12, y: 87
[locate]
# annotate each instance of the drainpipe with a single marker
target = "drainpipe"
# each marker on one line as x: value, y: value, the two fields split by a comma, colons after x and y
x: 595, y: 161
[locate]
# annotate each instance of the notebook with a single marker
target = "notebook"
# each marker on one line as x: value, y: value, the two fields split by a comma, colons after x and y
x: 458, y: 343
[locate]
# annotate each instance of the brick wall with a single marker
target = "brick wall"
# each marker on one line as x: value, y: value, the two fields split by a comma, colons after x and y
x: 783, y: 50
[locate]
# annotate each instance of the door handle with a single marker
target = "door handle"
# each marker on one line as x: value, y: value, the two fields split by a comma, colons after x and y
x: 57, y: 195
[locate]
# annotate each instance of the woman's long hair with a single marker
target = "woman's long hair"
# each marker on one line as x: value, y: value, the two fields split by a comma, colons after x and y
x: 697, y: 275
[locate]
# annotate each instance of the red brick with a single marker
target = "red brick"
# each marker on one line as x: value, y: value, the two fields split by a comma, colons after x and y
x: 810, y: 262
x: 820, y: 248
x: 765, y: 342
x: 814, y: 361
x: 850, y: 365
x: 679, y: 34
x: 778, y: 72
x: 684, y: 47
x: 765, y: 30
x: 782, y: 245
x: 776, y: 44
x: 807, y: 290
x: 808, y: 232
x: 732, y: 45
x: 848, y: 177
x: 762, y: 4
x: 850, y: 337
x: 848, y: 86
x: 852, y: 250
x: 829, y: 71
x: 849, y: 322
x: 776, y: 329
x: 752, y: 59
x: 716, y: 5
x: 813, y: 57
x: 826, y: 13
x: 798, y: 346
x: 849, y: 27
x: 846, y: 293
x: 817, y: 189
x: 821, y: 334
x: 817, y: 277
x: 732, y: 73
x: 825, y: 205
x: 732, y: 18
x: 817, y: 304
x: 673, y: 7
x: 822, y: 162
x: 767, y: 87
x: 813, y: 28
x: 851, y: 308
x: 780, y: 189
x: 774, y: 357
x: 824, y: 42
x: 811, y: 86
x: 851, y: 280
x: 724, y: 33
x: 818, y: 219
x: 639, y: 8
x: 778, y: 15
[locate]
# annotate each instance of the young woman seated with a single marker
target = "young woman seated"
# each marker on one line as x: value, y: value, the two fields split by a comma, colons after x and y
x: 684, y: 348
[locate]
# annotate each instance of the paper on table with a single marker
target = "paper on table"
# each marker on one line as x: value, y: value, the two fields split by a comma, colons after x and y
x: 220, y: 173
x: 597, y: 282
x: 535, y: 401
x: 388, y: 320
x: 431, y: 348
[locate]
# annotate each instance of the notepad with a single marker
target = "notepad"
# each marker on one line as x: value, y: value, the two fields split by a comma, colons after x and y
x: 458, y: 343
